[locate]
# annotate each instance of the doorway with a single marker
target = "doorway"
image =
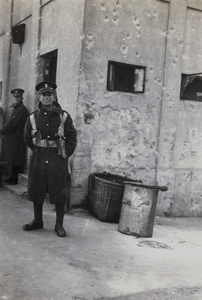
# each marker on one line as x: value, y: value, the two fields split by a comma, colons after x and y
x: 49, y: 66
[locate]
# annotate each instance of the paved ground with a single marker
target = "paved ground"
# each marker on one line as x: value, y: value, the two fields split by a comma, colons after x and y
x: 95, y: 261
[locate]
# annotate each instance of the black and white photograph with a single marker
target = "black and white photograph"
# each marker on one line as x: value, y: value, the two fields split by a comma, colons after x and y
x: 100, y: 150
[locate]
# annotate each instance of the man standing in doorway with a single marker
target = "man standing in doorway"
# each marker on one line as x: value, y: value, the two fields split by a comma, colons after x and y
x: 50, y: 134
x: 15, y: 149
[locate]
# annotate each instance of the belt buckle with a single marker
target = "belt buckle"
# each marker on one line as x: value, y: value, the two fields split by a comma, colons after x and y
x: 44, y: 143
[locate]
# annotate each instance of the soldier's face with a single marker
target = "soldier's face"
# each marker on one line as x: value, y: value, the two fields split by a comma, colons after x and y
x: 47, y: 99
x: 17, y: 99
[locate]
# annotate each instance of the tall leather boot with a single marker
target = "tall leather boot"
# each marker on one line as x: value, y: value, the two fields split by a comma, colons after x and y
x: 37, y: 223
x: 60, y: 211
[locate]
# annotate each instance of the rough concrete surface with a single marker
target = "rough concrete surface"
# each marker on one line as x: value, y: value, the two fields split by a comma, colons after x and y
x: 95, y: 261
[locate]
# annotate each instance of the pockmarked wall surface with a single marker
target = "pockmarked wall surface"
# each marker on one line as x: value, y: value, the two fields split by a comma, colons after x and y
x: 119, y: 131
x: 188, y: 153
x: 153, y: 136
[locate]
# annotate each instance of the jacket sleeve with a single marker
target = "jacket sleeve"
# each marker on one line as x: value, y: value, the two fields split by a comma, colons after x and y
x: 28, y: 135
x: 70, y: 135
x: 13, y: 122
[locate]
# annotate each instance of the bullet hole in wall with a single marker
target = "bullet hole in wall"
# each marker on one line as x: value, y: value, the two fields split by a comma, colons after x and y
x: 88, y: 114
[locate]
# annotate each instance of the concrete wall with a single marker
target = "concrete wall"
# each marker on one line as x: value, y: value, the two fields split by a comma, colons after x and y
x: 61, y: 28
x: 188, y: 145
x: 121, y: 136
x: 179, y: 161
x: 142, y: 136
x: 5, y: 21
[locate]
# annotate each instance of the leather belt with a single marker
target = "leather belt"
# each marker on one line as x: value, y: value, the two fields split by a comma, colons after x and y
x: 45, y: 143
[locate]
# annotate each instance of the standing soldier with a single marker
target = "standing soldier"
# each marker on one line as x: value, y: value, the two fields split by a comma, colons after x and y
x: 50, y: 134
x: 15, y: 149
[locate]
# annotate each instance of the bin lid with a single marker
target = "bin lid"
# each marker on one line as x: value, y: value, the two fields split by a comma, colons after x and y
x: 113, y: 179
x: 161, y: 188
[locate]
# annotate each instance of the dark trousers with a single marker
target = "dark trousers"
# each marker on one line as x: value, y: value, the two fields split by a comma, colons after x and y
x: 60, y: 211
x: 15, y: 171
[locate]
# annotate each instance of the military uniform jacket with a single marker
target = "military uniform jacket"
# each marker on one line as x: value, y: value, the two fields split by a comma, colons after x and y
x: 15, y: 149
x: 48, y: 171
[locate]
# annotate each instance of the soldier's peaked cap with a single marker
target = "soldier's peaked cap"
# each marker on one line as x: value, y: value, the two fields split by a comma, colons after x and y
x: 17, y: 92
x: 46, y: 86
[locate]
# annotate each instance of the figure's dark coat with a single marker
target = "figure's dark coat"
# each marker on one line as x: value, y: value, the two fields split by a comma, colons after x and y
x: 48, y: 171
x: 15, y: 148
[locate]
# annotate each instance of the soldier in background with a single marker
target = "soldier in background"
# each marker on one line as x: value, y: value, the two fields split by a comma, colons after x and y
x: 14, y: 146
x: 50, y: 134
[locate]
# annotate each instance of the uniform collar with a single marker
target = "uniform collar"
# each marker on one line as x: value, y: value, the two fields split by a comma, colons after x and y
x: 15, y: 105
x: 56, y: 108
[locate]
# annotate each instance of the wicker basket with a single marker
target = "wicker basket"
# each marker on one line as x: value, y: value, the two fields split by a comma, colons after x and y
x: 105, y: 195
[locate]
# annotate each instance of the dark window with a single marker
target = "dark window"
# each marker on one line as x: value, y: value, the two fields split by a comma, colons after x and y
x: 49, y: 61
x: 125, y: 78
x: 191, y: 87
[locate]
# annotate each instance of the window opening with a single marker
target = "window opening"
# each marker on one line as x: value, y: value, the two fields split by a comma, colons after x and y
x: 191, y: 87
x: 125, y: 77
